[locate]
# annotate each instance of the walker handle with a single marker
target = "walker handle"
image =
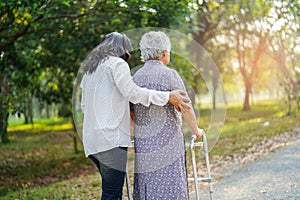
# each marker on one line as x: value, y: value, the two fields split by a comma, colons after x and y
x: 194, y: 137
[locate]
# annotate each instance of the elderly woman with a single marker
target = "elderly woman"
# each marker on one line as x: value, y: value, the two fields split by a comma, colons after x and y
x: 107, y: 88
x: 160, y: 171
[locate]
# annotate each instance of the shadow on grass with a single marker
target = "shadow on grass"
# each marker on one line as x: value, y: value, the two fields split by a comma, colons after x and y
x: 39, y: 159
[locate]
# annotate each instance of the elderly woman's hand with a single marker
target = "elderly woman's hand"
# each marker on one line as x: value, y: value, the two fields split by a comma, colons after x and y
x: 179, y: 100
x: 199, y: 133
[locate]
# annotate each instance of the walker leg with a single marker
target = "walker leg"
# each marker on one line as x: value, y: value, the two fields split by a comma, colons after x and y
x: 128, y: 186
x: 205, y: 148
x: 194, y: 168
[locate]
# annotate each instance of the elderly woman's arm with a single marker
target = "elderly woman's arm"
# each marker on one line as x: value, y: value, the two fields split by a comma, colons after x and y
x: 190, y: 118
x: 188, y: 112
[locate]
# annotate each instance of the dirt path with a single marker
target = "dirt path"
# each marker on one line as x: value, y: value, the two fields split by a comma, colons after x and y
x: 271, y: 177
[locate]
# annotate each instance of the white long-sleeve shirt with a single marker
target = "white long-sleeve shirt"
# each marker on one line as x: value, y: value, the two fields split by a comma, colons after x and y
x: 105, y: 103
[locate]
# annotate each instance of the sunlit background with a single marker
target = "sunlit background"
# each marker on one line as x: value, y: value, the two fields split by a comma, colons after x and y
x: 255, y: 45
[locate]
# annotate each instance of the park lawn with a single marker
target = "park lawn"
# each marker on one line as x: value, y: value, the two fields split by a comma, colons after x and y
x: 82, y: 187
x: 243, y: 129
x: 40, y: 156
x: 42, y: 164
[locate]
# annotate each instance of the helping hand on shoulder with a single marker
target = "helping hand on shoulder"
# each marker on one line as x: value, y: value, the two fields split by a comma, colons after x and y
x: 179, y: 99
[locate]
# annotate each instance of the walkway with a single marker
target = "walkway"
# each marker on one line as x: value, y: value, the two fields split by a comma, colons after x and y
x: 275, y: 177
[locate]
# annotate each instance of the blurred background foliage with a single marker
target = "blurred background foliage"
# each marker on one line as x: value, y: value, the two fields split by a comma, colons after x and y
x: 255, y: 45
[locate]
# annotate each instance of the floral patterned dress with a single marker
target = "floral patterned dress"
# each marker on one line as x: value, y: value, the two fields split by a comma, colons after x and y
x: 160, y: 169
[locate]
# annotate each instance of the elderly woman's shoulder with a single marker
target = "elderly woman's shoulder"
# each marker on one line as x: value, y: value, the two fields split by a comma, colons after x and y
x: 175, y: 74
x: 173, y: 71
x: 169, y: 71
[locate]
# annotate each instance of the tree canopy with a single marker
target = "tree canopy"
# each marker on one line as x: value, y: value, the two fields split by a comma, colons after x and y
x: 42, y: 44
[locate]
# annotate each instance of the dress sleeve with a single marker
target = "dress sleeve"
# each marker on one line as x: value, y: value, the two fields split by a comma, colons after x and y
x: 131, y: 91
x: 176, y: 82
x: 188, y: 114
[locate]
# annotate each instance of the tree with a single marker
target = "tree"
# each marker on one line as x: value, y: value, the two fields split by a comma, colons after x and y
x: 283, y: 38
x: 11, y: 61
x: 249, y: 40
x: 55, y: 36
x: 206, y: 27
x: 20, y: 19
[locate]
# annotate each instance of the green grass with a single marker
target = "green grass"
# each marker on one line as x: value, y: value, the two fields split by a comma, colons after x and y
x: 52, y: 124
x: 41, y: 164
x: 39, y: 157
x: 243, y: 129
x: 83, y: 187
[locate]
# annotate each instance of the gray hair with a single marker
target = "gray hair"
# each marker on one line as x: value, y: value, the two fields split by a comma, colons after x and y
x: 153, y: 44
x: 113, y: 44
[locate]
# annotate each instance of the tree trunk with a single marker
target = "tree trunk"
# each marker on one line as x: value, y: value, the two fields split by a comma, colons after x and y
x: 215, y: 87
x: 4, y: 124
x: 286, y: 79
x: 47, y: 111
x: 26, y: 121
x: 30, y: 115
x: 3, y: 111
x: 74, y: 136
x: 28, y: 112
x: 214, y: 99
x: 248, y: 87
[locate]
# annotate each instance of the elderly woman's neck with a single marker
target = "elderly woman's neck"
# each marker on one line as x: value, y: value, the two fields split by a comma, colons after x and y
x: 161, y: 60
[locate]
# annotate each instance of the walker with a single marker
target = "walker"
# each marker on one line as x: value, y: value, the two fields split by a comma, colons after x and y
x: 195, y: 179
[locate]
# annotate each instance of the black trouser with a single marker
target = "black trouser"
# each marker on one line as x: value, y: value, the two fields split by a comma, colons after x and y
x: 112, y: 167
